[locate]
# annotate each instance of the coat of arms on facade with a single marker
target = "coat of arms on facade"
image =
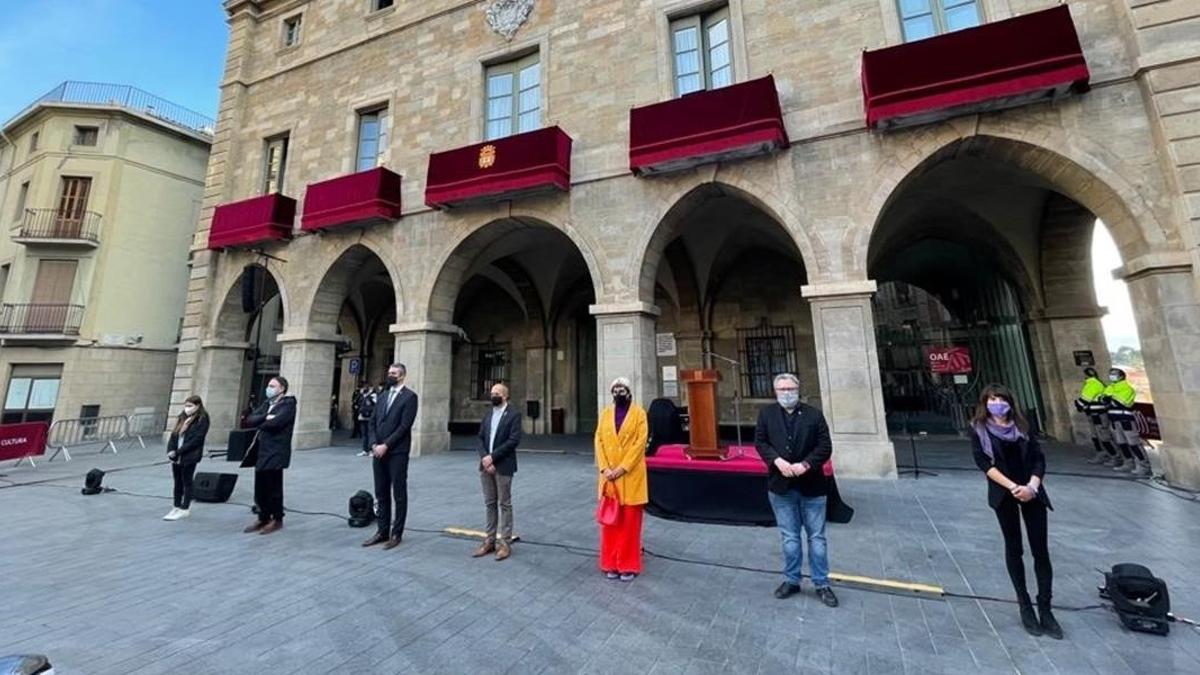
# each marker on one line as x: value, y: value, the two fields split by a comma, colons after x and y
x: 506, y: 16
x: 487, y: 156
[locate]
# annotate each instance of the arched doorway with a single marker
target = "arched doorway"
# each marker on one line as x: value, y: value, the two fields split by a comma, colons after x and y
x: 516, y: 291
x: 727, y: 275
x: 243, y: 352
x: 984, y: 250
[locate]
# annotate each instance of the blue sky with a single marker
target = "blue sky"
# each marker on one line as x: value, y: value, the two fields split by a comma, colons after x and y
x: 171, y: 48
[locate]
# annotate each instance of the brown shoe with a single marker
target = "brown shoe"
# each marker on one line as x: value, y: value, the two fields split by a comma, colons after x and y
x: 485, y: 548
x: 273, y: 526
x: 503, y: 551
x: 379, y: 538
x: 391, y: 543
x: 254, y: 527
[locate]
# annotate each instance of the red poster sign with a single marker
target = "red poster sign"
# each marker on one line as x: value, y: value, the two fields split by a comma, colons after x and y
x: 948, y: 360
x: 22, y: 440
x: 1147, y: 421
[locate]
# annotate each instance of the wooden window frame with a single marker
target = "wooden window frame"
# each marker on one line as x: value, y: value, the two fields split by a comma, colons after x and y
x: 381, y: 138
x: 270, y: 176
x: 292, y: 33
x: 702, y: 22
x: 513, y: 68
x: 937, y: 11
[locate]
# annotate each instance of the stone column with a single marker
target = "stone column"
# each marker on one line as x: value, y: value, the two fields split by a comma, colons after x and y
x: 535, y: 390
x: 217, y: 379
x: 625, y: 348
x: 425, y: 351
x: 307, y: 362
x: 1055, y: 335
x: 1164, y: 293
x: 848, y: 369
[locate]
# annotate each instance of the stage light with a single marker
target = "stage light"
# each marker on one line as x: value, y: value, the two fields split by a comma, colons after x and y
x: 362, y: 509
x: 91, y: 482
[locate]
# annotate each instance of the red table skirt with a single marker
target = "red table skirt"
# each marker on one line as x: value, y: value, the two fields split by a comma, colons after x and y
x: 740, y: 459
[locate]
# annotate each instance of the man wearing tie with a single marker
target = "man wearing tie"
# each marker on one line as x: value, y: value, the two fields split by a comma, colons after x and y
x: 391, y: 429
x: 499, y: 435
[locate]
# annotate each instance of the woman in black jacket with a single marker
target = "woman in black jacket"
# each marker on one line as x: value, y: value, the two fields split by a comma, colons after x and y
x: 1016, y: 467
x: 270, y: 453
x: 185, y: 449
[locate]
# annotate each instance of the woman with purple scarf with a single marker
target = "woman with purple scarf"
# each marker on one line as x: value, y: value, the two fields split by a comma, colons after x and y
x: 1015, y: 467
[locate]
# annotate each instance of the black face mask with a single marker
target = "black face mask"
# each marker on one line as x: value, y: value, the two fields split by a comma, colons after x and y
x: 497, y: 401
x: 620, y: 399
x: 393, y: 381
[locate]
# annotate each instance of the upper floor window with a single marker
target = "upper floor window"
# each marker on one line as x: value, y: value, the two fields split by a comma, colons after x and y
x: 377, y: 5
x: 514, y: 97
x: 701, y: 51
x: 22, y: 197
x: 926, y: 18
x: 274, y: 163
x: 33, y: 142
x: 291, y: 30
x: 372, y: 138
x: 85, y: 135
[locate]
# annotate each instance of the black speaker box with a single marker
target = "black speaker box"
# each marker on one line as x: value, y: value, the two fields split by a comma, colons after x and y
x: 213, y: 487
x: 251, y: 287
x: 239, y: 442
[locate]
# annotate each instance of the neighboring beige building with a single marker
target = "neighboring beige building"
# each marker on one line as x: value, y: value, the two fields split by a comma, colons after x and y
x: 948, y: 190
x: 100, y: 186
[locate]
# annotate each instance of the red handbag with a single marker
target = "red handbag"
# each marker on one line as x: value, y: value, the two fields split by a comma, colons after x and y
x: 608, y: 511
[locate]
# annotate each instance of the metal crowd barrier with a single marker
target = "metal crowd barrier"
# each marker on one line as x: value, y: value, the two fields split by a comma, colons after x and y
x: 73, y: 433
x: 146, y: 424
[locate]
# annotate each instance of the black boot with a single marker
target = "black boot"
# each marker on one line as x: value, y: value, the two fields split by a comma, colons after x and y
x: 1029, y: 619
x: 1048, y: 623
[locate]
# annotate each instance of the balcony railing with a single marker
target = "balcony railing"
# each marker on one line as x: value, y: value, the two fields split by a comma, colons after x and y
x: 59, y: 224
x: 130, y: 98
x: 40, y: 319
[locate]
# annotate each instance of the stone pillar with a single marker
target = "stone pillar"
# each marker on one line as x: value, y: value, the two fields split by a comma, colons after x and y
x: 848, y: 369
x: 1164, y: 297
x: 425, y: 350
x: 218, y: 381
x: 307, y: 363
x: 625, y: 348
x: 1055, y: 335
x: 535, y: 388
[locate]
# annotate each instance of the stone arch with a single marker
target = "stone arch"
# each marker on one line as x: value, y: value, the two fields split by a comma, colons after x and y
x: 339, y: 277
x: 666, y: 224
x: 1079, y: 169
x: 229, y: 323
x: 454, y: 262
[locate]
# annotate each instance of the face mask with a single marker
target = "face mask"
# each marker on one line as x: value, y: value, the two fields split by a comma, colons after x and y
x: 620, y: 399
x: 497, y: 401
x: 271, y: 392
x: 999, y: 408
x: 393, y: 381
x: 1114, y: 378
x: 788, y: 399
x: 189, y: 409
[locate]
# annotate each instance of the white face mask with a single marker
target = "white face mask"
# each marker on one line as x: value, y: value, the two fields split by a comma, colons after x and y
x: 1114, y: 378
x: 788, y: 399
x: 189, y: 409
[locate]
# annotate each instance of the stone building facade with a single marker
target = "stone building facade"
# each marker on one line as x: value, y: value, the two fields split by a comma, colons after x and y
x: 771, y: 260
x: 100, y: 186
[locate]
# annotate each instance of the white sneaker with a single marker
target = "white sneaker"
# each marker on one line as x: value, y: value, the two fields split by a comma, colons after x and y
x: 173, y: 514
x: 183, y: 513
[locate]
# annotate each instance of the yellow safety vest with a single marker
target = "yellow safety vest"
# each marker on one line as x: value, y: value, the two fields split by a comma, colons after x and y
x: 1092, y: 389
x: 1121, y: 392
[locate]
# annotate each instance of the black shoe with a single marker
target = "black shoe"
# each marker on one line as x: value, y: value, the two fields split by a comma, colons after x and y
x: 826, y: 595
x: 786, y: 590
x: 1030, y: 620
x: 1048, y: 623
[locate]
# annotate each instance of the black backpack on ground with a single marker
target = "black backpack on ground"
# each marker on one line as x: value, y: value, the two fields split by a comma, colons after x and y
x: 1140, y: 598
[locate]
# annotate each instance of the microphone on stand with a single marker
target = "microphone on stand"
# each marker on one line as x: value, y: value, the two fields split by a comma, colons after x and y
x: 737, y: 392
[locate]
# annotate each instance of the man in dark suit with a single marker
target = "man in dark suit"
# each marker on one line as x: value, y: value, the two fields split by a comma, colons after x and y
x: 793, y: 439
x: 499, y: 435
x: 391, y: 431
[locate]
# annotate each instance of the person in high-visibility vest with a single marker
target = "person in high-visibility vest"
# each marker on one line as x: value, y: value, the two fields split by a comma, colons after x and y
x: 1119, y: 396
x: 1093, y: 407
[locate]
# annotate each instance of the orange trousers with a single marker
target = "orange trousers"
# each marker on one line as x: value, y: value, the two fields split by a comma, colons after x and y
x: 621, y: 544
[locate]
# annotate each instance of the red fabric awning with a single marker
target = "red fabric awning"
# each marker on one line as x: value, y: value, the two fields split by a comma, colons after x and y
x: 989, y: 67
x: 741, y: 120
x: 357, y: 199
x: 252, y: 221
x: 504, y: 168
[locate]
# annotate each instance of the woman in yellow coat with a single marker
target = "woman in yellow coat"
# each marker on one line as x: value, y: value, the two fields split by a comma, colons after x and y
x: 621, y: 438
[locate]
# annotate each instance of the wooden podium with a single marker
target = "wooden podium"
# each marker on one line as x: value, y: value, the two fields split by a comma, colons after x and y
x: 702, y: 412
